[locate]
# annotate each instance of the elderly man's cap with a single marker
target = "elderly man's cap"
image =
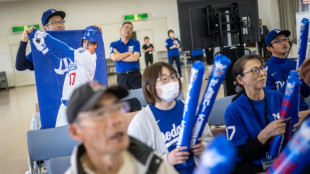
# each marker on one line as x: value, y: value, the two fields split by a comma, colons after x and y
x: 85, y: 97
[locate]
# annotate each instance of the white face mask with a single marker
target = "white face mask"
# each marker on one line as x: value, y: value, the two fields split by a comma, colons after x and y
x: 170, y: 91
x: 171, y: 34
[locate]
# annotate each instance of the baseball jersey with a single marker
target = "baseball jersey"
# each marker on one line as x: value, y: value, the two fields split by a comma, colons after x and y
x: 174, y: 51
x: 169, y: 123
x: 277, y: 74
x: 131, y: 46
x: 242, y: 124
x: 80, y: 71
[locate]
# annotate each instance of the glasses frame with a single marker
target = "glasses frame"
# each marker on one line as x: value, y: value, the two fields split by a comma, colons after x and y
x: 125, y: 107
x: 56, y: 22
x: 256, y: 70
x: 280, y: 40
x: 177, y: 76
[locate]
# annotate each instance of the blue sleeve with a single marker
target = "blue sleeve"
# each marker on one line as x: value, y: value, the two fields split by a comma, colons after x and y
x: 236, y: 132
x: 137, y: 47
x: 112, y: 46
x: 304, y: 89
x: 167, y: 44
x: 178, y: 41
x: 59, y: 48
x: 22, y: 63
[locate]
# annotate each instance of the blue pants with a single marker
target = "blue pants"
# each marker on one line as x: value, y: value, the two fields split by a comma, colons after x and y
x: 177, y: 61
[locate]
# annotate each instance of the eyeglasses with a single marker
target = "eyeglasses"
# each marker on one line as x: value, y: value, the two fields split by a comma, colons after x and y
x: 128, y: 28
x: 56, y: 22
x: 166, y: 79
x: 281, y: 40
x: 103, y: 112
x: 256, y: 70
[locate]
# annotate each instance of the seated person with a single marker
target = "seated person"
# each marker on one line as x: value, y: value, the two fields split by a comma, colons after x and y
x: 158, y: 124
x: 97, y: 119
x: 253, y: 116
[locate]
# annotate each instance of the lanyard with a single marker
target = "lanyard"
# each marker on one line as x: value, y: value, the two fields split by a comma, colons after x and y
x: 266, y: 110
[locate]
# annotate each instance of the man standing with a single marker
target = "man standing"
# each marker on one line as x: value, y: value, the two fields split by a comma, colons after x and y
x: 96, y: 117
x: 263, y: 30
x: 51, y: 20
x: 279, y: 66
x: 125, y: 53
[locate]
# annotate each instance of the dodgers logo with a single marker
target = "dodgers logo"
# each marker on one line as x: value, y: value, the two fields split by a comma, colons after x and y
x: 130, y: 48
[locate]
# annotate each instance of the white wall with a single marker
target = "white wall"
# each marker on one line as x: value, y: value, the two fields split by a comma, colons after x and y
x: 80, y: 14
x: 268, y: 11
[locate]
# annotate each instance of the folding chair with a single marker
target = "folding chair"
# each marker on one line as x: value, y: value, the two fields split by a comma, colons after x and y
x: 46, y: 144
x: 216, y: 117
x: 4, y: 80
x: 58, y: 165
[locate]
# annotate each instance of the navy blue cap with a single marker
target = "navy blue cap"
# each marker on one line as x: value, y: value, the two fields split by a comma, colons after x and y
x: 274, y: 33
x: 50, y: 13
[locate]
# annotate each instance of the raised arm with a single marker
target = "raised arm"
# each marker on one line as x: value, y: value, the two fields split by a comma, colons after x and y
x: 45, y: 42
x: 21, y: 62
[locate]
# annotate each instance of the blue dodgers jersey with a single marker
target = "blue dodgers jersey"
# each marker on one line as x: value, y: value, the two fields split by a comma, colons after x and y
x: 169, y: 123
x: 131, y: 46
x: 174, y: 51
x: 277, y: 74
x: 243, y: 124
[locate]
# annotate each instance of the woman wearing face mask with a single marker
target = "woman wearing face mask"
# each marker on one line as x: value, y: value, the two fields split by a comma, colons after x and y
x: 158, y: 124
x: 173, y: 45
x: 252, y: 118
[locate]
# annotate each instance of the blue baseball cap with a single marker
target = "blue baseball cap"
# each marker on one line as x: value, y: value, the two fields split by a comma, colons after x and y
x: 91, y: 35
x: 274, y: 33
x: 50, y: 13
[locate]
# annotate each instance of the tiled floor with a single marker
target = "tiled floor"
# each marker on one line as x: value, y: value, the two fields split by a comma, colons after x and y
x: 17, y: 107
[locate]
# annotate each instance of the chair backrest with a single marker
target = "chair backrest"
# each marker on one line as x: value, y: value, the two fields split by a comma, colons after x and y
x: 58, y: 165
x: 218, y: 111
x: 137, y: 93
x: 50, y: 143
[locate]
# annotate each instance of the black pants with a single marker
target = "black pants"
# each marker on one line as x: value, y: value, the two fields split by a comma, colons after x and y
x: 177, y: 62
x: 129, y: 80
x: 148, y: 59
x: 261, y: 46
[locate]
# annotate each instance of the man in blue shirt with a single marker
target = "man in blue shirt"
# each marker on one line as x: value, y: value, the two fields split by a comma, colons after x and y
x: 125, y: 53
x: 52, y: 20
x: 279, y: 66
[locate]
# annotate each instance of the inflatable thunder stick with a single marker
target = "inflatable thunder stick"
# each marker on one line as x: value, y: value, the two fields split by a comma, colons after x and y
x: 296, y: 155
x: 290, y: 97
x: 190, y: 106
x: 218, y: 157
x: 221, y: 64
x: 303, y: 39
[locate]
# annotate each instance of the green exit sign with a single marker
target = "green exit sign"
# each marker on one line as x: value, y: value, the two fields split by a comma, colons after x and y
x: 135, y: 17
x: 17, y: 29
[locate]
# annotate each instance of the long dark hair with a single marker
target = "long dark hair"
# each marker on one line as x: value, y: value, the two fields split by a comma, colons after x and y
x: 238, y: 68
